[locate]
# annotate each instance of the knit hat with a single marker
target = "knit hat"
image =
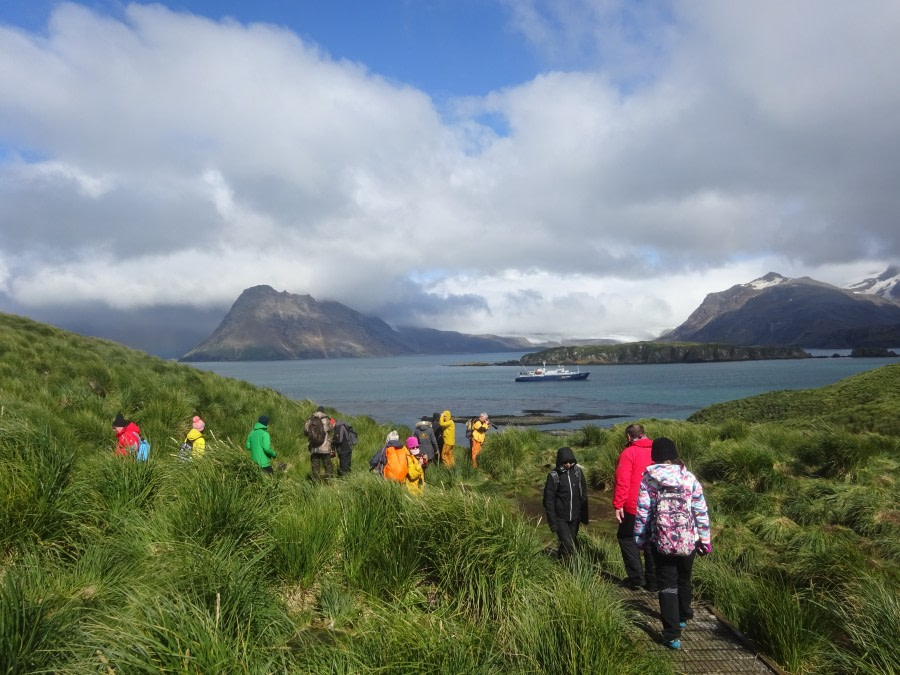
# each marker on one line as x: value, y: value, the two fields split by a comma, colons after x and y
x: 662, y: 450
x: 412, y: 442
x: 198, y: 424
x: 321, y: 408
x: 264, y: 420
x: 393, y: 436
x: 120, y: 421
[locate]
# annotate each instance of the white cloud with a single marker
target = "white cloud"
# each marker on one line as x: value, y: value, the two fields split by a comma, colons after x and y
x: 696, y: 146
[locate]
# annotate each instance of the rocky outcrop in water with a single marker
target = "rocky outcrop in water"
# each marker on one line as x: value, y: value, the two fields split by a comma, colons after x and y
x: 659, y: 352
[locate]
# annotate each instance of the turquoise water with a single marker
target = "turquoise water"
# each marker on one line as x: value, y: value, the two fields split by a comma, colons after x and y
x: 401, y: 389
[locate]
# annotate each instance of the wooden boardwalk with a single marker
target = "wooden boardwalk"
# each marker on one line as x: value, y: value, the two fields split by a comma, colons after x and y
x: 709, y: 644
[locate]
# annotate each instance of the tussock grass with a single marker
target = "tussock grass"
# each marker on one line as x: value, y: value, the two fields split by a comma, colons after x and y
x: 211, y: 566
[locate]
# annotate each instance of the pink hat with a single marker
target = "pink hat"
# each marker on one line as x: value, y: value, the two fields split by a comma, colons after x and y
x: 412, y: 442
x: 198, y: 424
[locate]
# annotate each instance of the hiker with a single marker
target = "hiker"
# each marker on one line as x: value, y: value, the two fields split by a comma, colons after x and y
x: 415, y: 471
x: 396, y: 464
x: 317, y: 428
x: 479, y: 430
x: 379, y: 459
x: 566, y: 500
x: 438, y: 434
x: 128, y: 436
x: 194, y: 444
x: 343, y: 440
x: 259, y: 443
x: 427, y: 441
x: 673, y: 522
x: 449, y: 429
x: 633, y: 460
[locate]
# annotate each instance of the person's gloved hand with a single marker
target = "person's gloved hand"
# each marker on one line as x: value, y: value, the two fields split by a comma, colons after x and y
x: 704, y: 549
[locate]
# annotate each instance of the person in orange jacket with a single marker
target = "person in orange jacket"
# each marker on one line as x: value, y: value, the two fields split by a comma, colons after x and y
x: 396, y: 465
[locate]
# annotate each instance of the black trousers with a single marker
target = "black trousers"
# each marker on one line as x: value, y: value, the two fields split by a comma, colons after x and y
x: 567, y: 533
x: 673, y: 573
x: 637, y: 573
x: 344, y: 462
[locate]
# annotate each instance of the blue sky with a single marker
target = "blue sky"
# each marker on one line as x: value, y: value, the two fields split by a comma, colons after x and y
x: 445, y: 47
x: 548, y: 168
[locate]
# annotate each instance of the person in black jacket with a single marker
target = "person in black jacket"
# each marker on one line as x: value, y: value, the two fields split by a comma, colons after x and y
x: 565, y: 500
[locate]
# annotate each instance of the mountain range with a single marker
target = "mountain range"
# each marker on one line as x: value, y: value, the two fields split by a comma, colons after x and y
x: 267, y: 325
x: 776, y: 310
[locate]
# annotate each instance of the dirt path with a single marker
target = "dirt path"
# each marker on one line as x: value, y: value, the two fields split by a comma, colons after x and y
x: 709, y: 643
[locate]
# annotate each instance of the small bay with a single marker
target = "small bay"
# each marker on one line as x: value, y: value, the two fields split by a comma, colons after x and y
x: 400, y: 389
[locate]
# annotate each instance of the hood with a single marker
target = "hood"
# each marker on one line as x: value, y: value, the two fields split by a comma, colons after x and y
x: 446, y: 416
x: 259, y: 425
x: 130, y: 428
x: 564, y: 455
x: 194, y: 434
x: 423, y: 424
x: 670, y: 475
x: 642, y: 442
x: 394, y: 444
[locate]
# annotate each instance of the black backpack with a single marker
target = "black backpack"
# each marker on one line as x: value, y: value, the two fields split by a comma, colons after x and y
x: 315, y: 432
x: 344, y: 434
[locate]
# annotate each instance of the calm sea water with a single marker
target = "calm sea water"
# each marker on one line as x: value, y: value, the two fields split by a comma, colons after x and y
x: 401, y: 389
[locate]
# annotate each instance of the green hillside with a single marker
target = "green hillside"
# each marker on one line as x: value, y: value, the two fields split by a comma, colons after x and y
x: 211, y: 567
x: 113, y: 566
x: 864, y: 402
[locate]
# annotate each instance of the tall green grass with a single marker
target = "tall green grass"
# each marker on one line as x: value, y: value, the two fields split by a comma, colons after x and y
x: 212, y: 566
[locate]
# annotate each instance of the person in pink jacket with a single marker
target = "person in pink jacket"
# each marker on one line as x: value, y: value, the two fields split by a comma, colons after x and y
x: 633, y: 460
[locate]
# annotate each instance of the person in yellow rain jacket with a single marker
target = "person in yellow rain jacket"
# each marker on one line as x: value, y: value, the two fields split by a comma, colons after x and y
x: 449, y: 428
x: 415, y: 473
x: 194, y: 440
x: 479, y: 429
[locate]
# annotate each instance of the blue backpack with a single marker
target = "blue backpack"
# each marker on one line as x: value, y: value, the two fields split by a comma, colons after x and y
x: 143, y: 450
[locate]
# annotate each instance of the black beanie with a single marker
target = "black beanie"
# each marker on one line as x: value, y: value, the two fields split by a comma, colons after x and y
x: 663, y: 449
x: 120, y: 421
x: 264, y: 420
x: 321, y: 408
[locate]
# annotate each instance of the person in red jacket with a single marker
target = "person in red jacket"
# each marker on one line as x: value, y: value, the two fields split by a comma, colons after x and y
x: 635, y: 458
x: 128, y: 436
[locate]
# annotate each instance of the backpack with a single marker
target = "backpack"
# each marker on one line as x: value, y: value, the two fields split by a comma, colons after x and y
x: 186, y: 449
x: 395, y: 467
x: 143, y: 450
x: 469, y: 423
x: 344, y: 434
x: 379, y: 459
x: 315, y: 432
x: 673, y: 521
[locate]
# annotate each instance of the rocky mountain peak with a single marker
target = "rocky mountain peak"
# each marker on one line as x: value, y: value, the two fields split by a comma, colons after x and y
x: 886, y: 285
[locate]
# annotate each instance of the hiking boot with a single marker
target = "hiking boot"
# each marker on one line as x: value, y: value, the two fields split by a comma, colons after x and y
x: 673, y: 644
x: 650, y: 589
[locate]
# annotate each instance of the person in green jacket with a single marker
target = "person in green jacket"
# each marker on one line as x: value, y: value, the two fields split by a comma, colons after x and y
x: 260, y: 445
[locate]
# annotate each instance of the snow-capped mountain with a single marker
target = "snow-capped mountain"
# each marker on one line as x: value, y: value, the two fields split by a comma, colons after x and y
x: 886, y: 285
x: 776, y: 310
